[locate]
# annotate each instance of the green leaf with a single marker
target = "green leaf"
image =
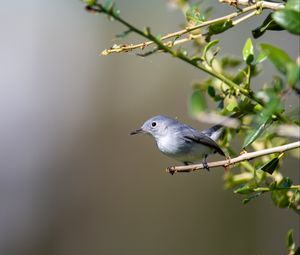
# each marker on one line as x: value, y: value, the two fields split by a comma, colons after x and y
x: 268, y: 24
x: 254, y: 134
x: 271, y: 166
x: 293, y: 74
x: 278, y: 57
x: 230, y: 62
x: 158, y: 37
x: 278, y: 84
x: 231, y: 106
x: 273, y: 106
x: 182, y: 3
x: 245, y: 189
x: 280, y: 198
x: 273, y: 185
x: 288, y: 19
x: 211, y: 91
x: 248, y: 199
x: 246, y: 106
x: 248, y: 52
x: 262, y: 56
x: 230, y: 103
x: 108, y: 4
x: 293, y: 5
x: 240, y: 76
x: 208, y: 46
x: 286, y: 182
x: 220, y: 27
x: 197, y: 103
x: 90, y: 2
x: 290, y: 240
x: 195, y: 15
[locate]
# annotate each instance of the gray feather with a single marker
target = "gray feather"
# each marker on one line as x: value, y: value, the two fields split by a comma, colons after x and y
x: 180, y: 141
x: 201, y: 138
x: 214, y: 132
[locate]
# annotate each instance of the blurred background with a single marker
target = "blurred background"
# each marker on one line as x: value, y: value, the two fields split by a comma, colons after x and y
x: 72, y: 180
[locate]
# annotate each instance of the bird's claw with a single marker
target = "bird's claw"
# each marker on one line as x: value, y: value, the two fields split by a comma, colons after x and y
x: 171, y: 170
x: 205, y: 165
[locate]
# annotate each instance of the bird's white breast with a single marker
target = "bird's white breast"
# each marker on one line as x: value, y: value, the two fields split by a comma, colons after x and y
x: 180, y: 150
x: 168, y: 144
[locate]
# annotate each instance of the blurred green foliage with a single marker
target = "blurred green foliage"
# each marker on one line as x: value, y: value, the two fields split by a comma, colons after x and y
x: 229, y: 87
x: 289, y: 17
x: 290, y: 244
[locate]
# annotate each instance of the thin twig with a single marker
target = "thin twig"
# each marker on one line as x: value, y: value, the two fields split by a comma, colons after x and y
x: 258, y: 5
x: 172, y: 43
x: 228, y: 162
x: 267, y: 4
x: 147, y: 34
x: 245, y: 17
x: 161, y: 46
x: 266, y: 189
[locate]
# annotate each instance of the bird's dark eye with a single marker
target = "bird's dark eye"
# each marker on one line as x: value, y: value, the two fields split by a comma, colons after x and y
x: 153, y: 124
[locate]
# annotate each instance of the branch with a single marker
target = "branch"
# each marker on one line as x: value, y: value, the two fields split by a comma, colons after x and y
x: 209, y: 71
x: 228, y: 162
x: 266, y: 189
x: 96, y: 7
x: 259, y: 5
x: 267, y: 4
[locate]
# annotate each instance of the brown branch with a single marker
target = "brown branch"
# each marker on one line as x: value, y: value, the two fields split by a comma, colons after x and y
x: 259, y: 5
x: 269, y: 5
x: 129, y: 47
x: 232, y: 161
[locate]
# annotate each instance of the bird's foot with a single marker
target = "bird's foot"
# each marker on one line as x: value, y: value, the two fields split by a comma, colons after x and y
x: 205, y: 165
x: 171, y: 170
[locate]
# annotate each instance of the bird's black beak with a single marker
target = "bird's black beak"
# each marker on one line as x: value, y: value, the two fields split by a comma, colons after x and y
x: 138, y: 131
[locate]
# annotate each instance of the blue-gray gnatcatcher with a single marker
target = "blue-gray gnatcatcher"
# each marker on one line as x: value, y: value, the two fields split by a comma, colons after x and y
x: 180, y: 141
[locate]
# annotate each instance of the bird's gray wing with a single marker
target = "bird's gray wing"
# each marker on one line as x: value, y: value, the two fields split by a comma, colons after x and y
x: 192, y: 135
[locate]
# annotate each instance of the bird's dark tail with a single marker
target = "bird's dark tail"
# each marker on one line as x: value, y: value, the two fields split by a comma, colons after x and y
x: 216, y: 131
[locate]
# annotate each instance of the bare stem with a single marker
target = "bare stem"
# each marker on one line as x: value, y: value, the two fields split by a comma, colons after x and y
x: 245, y: 17
x: 166, y: 46
x: 267, y: 4
x: 266, y: 189
x: 129, y: 47
x: 232, y: 161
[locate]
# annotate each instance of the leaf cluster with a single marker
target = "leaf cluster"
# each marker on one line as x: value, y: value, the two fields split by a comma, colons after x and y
x: 229, y: 88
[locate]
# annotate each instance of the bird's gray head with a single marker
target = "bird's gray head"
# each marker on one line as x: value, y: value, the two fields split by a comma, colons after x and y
x: 157, y: 126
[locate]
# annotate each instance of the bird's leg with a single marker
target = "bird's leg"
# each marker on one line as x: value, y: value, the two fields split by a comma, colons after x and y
x: 205, y: 165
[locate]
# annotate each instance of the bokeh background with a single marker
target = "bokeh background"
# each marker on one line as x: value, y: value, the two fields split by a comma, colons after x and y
x: 72, y: 181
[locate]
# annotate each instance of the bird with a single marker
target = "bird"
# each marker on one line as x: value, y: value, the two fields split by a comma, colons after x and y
x: 182, y: 142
